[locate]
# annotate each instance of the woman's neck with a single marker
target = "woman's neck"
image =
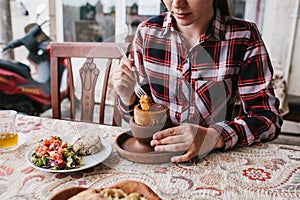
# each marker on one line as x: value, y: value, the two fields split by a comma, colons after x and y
x: 193, y: 32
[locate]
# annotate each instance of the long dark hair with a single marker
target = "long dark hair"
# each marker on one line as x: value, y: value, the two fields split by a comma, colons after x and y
x: 222, y: 5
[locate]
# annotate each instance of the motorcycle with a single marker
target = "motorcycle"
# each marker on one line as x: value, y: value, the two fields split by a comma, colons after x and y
x: 19, y: 90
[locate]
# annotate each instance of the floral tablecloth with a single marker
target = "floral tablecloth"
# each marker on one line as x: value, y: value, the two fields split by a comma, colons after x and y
x: 261, y: 171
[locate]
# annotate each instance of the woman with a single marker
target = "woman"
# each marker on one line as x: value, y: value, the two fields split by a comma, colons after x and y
x: 196, y: 59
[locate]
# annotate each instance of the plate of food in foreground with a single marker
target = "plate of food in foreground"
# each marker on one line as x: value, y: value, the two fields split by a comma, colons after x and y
x: 127, y: 190
x: 68, y: 153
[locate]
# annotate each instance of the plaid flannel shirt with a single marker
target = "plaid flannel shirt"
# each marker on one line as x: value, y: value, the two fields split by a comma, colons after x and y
x: 200, y: 84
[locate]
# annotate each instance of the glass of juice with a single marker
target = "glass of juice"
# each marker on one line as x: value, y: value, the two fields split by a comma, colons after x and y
x: 8, y: 133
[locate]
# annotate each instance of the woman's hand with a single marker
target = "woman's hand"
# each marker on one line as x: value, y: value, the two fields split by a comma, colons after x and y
x: 124, y: 80
x: 193, y: 139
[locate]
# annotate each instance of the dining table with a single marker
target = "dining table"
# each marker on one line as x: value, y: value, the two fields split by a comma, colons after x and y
x: 259, y: 171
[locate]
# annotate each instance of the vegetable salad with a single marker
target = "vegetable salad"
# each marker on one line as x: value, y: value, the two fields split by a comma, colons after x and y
x: 53, y: 153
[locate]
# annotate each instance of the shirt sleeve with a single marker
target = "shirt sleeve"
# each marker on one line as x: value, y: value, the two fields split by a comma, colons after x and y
x: 126, y: 111
x: 261, y: 120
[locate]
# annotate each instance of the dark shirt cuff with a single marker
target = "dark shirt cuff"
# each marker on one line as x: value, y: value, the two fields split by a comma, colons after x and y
x: 125, y: 108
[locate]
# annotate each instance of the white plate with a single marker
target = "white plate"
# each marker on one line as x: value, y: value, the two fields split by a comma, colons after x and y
x: 88, y: 161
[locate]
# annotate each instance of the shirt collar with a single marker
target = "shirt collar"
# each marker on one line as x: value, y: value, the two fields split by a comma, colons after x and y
x: 218, y: 25
x: 168, y: 24
x: 216, y: 30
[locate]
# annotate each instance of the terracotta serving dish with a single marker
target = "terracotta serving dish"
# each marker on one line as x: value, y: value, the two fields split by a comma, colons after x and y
x: 67, y: 193
x: 128, y: 186
x: 123, y: 145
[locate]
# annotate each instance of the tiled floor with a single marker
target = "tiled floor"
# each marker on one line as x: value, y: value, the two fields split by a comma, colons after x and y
x: 288, y: 127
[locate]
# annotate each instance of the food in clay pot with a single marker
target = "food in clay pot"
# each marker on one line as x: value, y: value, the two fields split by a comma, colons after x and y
x: 148, y: 119
x: 147, y: 113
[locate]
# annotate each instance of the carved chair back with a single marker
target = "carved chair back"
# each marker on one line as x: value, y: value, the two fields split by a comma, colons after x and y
x: 90, y: 74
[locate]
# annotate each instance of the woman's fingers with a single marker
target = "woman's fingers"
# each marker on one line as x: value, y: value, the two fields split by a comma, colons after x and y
x: 126, y: 67
x: 194, y: 140
x: 165, y: 133
x: 173, y: 135
x: 170, y: 140
x: 128, y: 62
x: 170, y: 147
x: 183, y: 158
x: 126, y: 71
x: 124, y: 83
x: 122, y: 80
x: 123, y: 76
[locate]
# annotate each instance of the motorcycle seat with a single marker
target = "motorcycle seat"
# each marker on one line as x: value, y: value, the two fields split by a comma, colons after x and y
x: 17, y: 67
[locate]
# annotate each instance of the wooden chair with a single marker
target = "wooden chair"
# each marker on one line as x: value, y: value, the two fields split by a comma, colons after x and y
x: 88, y: 73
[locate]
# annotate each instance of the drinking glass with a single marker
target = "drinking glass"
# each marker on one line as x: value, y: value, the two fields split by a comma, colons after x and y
x: 8, y: 133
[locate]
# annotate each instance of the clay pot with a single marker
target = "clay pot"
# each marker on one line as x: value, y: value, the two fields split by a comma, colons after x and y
x: 143, y: 133
x: 143, y: 126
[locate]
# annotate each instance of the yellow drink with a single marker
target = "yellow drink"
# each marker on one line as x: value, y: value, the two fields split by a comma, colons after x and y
x: 8, y: 140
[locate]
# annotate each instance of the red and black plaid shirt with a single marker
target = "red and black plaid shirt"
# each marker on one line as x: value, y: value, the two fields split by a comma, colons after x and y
x: 200, y: 84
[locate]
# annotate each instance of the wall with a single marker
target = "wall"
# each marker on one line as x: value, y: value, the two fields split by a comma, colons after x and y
x: 294, y: 75
x: 282, y: 40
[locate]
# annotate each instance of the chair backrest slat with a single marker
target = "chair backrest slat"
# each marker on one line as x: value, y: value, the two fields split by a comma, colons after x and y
x: 104, y: 91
